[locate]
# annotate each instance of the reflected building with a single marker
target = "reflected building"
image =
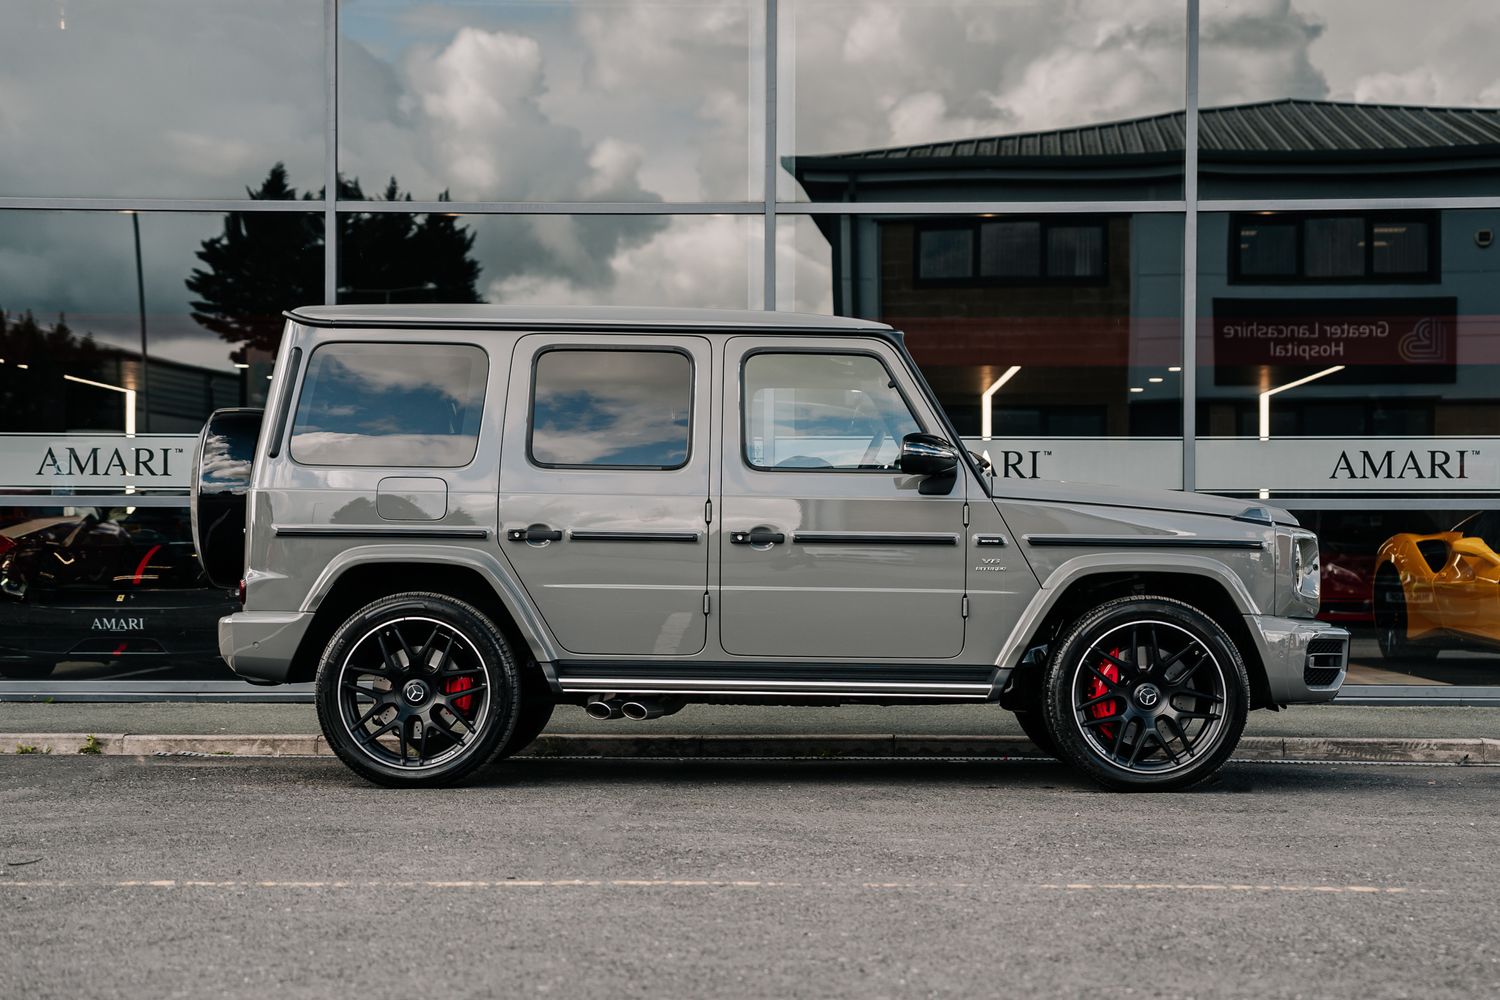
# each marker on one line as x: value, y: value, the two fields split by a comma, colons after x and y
x: 1291, y: 293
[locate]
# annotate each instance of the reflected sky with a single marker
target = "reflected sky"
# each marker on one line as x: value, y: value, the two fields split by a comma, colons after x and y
x: 612, y: 408
x: 390, y: 405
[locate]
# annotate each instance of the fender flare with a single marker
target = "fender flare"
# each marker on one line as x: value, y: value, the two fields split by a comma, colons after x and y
x: 488, y: 565
x: 1098, y: 564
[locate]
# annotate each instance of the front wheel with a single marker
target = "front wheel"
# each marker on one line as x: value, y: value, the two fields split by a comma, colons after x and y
x: 1146, y: 693
x: 417, y: 690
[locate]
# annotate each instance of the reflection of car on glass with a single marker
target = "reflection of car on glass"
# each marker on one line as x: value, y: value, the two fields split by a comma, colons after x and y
x: 1349, y: 541
x: 1440, y: 589
x: 452, y: 518
x: 103, y: 584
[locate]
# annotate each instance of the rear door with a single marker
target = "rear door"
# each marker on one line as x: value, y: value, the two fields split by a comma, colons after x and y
x: 604, y: 481
x: 828, y: 550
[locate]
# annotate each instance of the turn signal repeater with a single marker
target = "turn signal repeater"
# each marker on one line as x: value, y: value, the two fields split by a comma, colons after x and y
x: 239, y: 592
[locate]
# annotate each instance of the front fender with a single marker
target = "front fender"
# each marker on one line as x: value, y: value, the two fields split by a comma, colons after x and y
x: 1082, y: 567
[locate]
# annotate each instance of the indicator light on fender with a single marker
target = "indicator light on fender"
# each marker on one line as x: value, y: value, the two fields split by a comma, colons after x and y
x: 239, y: 592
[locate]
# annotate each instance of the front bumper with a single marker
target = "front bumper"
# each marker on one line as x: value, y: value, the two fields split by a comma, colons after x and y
x: 259, y: 645
x: 1306, y: 660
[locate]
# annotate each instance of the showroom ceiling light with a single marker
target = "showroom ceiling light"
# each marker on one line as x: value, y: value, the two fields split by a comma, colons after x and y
x: 129, y: 399
x: 986, y: 421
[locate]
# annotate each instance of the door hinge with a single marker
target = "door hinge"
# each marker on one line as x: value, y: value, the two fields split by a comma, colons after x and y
x: 966, y: 515
x: 966, y: 606
x: 705, y: 603
x: 708, y: 512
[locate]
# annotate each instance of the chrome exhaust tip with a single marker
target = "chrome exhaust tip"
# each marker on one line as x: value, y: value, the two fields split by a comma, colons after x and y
x: 601, y: 707
x: 641, y: 709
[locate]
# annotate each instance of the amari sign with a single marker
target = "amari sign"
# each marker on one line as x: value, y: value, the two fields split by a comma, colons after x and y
x: 95, y: 461
x: 1377, y: 340
x: 1343, y: 465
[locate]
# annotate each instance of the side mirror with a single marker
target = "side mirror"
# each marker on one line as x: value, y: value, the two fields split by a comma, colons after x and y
x: 927, y: 455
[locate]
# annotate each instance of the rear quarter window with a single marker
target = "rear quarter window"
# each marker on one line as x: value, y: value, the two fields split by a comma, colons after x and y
x: 391, y: 405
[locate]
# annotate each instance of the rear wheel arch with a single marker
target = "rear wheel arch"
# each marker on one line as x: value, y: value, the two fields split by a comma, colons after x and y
x: 1203, y: 591
x: 361, y: 583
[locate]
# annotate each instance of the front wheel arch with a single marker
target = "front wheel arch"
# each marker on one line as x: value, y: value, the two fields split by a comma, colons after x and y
x: 1198, y: 590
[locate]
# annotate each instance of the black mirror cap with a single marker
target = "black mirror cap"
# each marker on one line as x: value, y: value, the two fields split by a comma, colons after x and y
x: 927, y: 455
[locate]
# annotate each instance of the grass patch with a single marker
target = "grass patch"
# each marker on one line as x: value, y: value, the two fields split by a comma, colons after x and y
x: 24, y: 748
x: 91, y: 745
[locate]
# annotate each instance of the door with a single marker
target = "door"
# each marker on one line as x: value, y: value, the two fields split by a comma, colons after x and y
x: 603, y: 489
x: 826, y: 549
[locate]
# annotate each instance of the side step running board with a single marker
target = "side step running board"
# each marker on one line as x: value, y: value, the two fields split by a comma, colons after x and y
x: 885, y: 680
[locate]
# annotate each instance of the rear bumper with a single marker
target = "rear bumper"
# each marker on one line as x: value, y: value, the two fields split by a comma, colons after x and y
x: 1305, y: 660
x: 259, y: 645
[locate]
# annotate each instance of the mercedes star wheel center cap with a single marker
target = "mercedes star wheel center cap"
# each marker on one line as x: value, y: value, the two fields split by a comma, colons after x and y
x: 1147, y: 695
x: 415, y: 692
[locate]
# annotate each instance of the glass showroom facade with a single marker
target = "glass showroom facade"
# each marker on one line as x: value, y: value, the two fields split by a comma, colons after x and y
x: 1235, y: 246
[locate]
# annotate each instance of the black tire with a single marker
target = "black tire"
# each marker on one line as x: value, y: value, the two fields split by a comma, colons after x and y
x: 428, y: 673
x: 533, y: 718
x: 1390, y: 620
x: 1146, y: 694
x: 1034, y: 725
x: 1029, y: 710
x: 33, y: 670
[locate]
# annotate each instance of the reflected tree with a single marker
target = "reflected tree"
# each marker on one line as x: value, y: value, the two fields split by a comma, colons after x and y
x: 37, y: 354
x: 267, y: 262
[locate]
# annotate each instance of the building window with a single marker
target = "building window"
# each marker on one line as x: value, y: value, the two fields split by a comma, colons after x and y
x: 599, y: 409
x: 1276, y: 248
x: 1011, y: 251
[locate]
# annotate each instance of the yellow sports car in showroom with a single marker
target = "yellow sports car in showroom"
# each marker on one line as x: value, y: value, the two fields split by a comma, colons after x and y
x: 1439, y: 590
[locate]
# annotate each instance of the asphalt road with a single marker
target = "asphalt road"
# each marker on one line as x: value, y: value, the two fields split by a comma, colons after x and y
x: 288, y: 878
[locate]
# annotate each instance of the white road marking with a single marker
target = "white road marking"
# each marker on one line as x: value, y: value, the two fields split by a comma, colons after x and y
x: 628, y: 883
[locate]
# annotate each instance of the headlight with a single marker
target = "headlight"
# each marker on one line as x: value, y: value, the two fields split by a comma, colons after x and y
x: 1306, y: 571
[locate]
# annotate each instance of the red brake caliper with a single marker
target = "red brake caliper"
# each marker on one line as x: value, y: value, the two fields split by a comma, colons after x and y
x: 462, y: 683
x: 1097, y: 689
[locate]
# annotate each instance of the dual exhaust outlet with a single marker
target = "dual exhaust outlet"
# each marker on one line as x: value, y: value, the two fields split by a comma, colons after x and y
x: 635, y: 707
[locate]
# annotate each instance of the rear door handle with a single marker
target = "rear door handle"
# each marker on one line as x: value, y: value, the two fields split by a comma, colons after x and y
x: 538, y: 533
x: 757, y: 536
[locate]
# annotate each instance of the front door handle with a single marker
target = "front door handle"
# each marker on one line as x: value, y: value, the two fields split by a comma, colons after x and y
x: 535, y: 533
x: 757, y: 536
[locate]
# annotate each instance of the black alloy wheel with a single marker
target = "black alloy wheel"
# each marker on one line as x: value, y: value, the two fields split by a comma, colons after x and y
x: 1391, y: 629
x: 1147, y: 693
x: 418, y: 689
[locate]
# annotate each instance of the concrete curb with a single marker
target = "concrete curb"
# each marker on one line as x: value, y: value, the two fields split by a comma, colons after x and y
x: 1410, y: 751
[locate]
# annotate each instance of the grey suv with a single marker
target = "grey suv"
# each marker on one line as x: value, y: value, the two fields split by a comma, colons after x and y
x: 453, y: 518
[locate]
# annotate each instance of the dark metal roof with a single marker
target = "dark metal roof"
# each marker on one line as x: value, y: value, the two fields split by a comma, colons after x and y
x: 1286, y: 129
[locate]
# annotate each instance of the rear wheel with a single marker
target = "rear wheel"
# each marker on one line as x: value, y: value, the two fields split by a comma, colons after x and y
x: 533, y: 717
x: 1391, y: 628
x: 417, y: 690
x: 1146, y: 693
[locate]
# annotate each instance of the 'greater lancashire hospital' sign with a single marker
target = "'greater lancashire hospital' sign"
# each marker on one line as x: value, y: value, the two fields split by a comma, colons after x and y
x: 1407, y: 340
x: 96, y: 461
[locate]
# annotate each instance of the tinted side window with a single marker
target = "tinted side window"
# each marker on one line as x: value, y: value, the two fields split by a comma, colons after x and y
x: 625, y: 409
x: 823, y: 411
x: 391, y: 405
